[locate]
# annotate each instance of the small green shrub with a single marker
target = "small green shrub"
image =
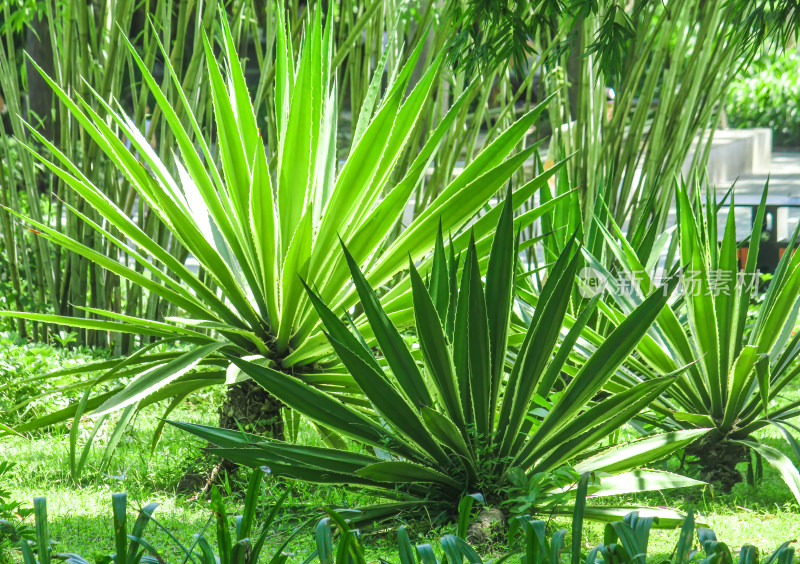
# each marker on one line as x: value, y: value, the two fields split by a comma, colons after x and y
x: 24, y: 394
x: 768, y: 95
x: 12, y: 516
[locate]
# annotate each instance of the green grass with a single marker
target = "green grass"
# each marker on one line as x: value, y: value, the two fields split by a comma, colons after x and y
x: 80, y: 513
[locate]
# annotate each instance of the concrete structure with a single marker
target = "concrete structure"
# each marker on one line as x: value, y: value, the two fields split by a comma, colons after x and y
x: 736, y: 152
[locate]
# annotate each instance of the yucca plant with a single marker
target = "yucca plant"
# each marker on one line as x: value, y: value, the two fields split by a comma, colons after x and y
x: 257, y: 225
x: 742, y: 356
x: 366, y: 35
x: 472, y: 415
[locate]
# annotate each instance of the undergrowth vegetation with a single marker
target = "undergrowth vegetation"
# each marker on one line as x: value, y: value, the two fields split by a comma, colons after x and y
x: 762, y: 514
x: 315, y: 281
x: 767, y: 94
x: 24, y: 393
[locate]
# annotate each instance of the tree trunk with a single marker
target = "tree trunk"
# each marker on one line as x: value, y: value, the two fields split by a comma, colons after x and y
x: 487, y: 527
x: 250, y: 407
x: 40, y: 96
x: 717, y: 460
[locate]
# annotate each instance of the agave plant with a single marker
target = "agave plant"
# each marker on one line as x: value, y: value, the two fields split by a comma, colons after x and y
x: 745, y: 358
x: 256, y: 225
x: 471, y: 415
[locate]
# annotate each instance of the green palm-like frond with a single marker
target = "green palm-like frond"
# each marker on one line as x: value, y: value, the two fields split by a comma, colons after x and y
x: 259, y: 226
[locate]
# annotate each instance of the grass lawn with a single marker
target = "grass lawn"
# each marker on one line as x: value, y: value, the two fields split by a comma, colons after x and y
x: 80, y: 515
